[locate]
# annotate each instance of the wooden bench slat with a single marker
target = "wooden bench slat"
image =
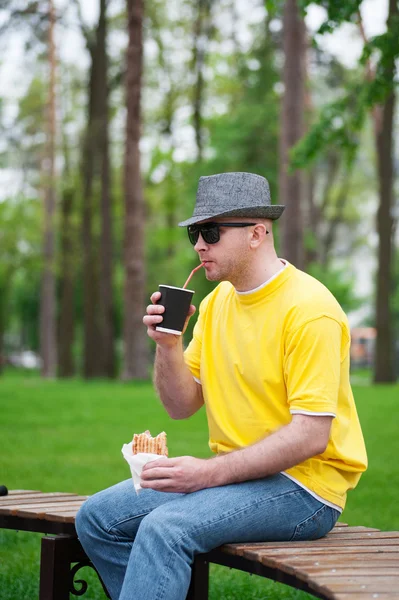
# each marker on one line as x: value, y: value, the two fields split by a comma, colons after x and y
x: 39, y: 513
x: 392, y: 540
x: 366, y: 596
x: 371, y: 571
x: 370, y: 584
x: 13, y: 509
x: 61, y: 517
x: 330, y: 545
x: 6, y: 501
x: 362, y: 535
x: 269, y: 559
x: 339, y: 561
x: 346, y: 530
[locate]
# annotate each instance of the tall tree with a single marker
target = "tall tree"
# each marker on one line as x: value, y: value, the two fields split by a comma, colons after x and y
x: 106, y: 304
x: 48, y: 330
x: 292, y: 128
x: 99, y: 353
x: 384, y: 357
x: 202, y: 28
x: 135, y: 365
x: 340, y: 123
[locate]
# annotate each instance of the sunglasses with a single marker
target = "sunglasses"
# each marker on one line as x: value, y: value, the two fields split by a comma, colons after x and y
x: 210, y: 231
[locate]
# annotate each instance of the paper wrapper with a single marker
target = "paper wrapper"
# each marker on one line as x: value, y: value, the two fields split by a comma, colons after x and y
x: 137, y: 462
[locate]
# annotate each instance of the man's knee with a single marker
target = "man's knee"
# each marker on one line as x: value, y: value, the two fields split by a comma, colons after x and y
x: 85, y: 519
x: 165, y: 527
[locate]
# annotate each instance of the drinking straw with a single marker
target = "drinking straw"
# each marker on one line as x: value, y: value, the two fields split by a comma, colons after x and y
x: 191, y: 274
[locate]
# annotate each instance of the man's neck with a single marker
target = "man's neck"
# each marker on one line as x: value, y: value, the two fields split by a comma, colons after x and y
x: 261, y: 274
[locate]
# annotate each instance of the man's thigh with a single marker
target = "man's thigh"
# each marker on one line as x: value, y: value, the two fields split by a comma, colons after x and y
x: 120, y: 510
x: 265, y: 509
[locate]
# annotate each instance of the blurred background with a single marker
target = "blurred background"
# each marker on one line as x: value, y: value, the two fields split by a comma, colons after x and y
x: 110, y: 111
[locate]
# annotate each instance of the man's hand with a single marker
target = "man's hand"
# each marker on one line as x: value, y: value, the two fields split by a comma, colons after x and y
x: 182, y: 474
x: 154, y: 317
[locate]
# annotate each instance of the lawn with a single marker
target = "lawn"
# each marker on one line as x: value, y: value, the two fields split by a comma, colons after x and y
x: 67, y: 436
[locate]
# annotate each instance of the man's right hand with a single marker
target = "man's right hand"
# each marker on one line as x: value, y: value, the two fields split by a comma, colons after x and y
x: 154, y: 317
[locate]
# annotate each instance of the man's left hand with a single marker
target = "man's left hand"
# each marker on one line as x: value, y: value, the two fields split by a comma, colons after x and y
x: 182, y: 474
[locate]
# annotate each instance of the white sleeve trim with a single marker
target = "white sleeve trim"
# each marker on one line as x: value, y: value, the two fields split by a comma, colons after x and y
x: 312, y: 414
x: 197, y: 380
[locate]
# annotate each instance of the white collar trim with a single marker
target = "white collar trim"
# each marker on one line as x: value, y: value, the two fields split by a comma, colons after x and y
x: 262, y: 285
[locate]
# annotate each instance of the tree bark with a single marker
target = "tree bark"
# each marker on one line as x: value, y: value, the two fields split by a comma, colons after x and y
x: 91, y: 325
x: 48, y: 329
x: 135, y: 340
x: 292, y: 128
x: 384, y: 357
x: 106, y: 246
x: 201, y: 37
x: 66, y: 320
x: 99, y: 355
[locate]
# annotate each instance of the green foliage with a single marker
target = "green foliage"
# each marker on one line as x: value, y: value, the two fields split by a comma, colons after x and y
x: 20, y: 252
x: 342, y: 120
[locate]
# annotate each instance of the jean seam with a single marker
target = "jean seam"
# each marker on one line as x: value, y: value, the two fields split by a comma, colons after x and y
x: 109, y: 528
x: 323, y: 509
x: 207, y: 524
x: 164, y: 578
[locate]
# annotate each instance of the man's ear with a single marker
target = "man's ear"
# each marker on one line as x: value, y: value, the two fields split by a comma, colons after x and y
x: 259, y: 233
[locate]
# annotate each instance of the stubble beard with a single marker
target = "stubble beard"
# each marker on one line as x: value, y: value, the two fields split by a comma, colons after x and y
x: 234, y: 271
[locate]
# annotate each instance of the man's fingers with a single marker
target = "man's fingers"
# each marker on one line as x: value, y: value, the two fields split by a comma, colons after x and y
x: 192, y: 310
x: 156, y: 473
x: 155, y: 309
x: 155, y: 297
x: 152, y: 320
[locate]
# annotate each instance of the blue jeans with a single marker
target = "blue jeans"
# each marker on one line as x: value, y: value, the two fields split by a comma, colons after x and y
x: 144, y: 545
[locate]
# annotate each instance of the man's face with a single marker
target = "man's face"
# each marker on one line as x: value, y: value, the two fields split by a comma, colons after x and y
x: 229, y: 258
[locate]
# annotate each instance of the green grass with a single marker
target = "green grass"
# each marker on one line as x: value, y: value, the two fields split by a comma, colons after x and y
x: 67, y: 436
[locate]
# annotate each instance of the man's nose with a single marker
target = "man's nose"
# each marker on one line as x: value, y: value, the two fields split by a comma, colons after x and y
x: 200, y: 244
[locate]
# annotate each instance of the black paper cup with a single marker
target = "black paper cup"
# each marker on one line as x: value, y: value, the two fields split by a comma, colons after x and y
x: 177, y: 303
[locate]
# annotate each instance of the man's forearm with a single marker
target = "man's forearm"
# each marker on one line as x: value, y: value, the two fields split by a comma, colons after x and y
x: 285, y: 448
x: 179, y: 392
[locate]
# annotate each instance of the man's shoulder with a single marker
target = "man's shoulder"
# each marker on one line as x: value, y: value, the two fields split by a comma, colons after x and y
x: 218, y: 294
x: 309, y: 299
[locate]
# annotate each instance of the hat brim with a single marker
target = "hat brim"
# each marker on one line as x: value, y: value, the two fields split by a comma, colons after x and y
x: 272, y: 212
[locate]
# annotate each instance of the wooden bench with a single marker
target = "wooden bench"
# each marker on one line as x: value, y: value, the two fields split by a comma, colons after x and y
x: 350, y: 563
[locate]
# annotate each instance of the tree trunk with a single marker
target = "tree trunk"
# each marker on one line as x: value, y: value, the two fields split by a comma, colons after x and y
x: 48, y: 332
x: 91, y: 326
x: 135, y: 339
x: 201, y: 38
x: 384, y: 357
x: 292, y: 126
x: 99, y: 356
x: 66, y: 319
x: 106, y: 247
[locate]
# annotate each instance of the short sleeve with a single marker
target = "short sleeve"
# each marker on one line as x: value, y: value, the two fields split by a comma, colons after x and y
x: 192, y: 354
x: 312, y: 366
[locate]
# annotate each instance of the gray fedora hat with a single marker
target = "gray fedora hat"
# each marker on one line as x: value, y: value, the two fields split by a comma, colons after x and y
x: 233, y: 195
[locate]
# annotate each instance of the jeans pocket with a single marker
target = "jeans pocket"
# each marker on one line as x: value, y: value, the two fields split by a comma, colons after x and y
x: 317, y: 525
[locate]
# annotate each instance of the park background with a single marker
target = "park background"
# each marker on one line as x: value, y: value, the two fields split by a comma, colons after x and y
x: 110, y: 111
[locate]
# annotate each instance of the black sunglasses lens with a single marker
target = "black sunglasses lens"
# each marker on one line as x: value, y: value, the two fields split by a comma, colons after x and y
x: 193, y: 234
x: 210, y: 234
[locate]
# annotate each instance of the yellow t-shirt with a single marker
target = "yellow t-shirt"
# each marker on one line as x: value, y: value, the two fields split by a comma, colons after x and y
x: 279, y: 350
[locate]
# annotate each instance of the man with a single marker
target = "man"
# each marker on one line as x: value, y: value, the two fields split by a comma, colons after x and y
x: 269, y: 359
